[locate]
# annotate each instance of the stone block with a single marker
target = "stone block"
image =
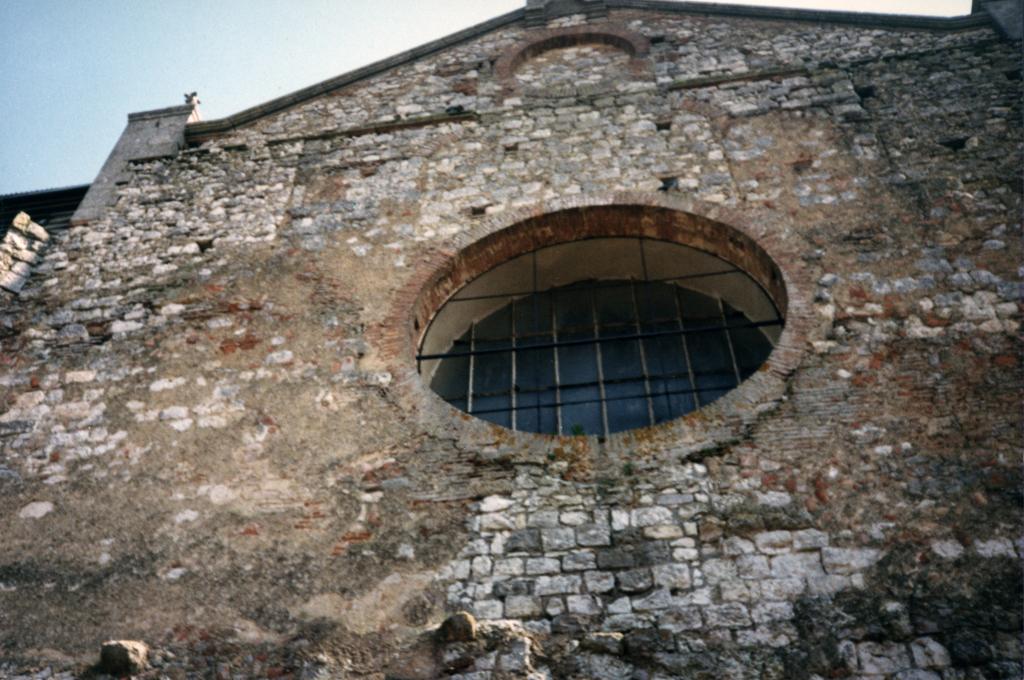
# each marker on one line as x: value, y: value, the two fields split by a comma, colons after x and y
x: 557, y: 585
x: 634, y: 580
x: 603, y: 643
x: 652, y: 553
x: 514, y: 586
x: 578, y: 561
x: 847, y: 560
x: 522, y: 606
x: 583, y: 605
x: 928, y: 653
x: 716, y: 570
x: 599, y: 581
x: 734, y: 545
x: 651, y: 516
x: 544, y: 519
x: 124, y: 657
x: 460, y: 627
x: 731, y: 615
x: 774, y: 542
x: 679, y: 619
x: 663, y: 532
x: 672, y: 576
x: 879, y: 658
x: 659, y: 598
x: 782, y: 588
x: 615, y: 558
x: 809, y: 539
x: 770, y: 612
x: 512, y: 566
x: 488, y: 609
x: 558, y: 538
x: 593, y: 535
x: 917, y: 674
x: 752, y: 567
x: 516, y: 656
x: 797, y: 565
x: 523, y: 540
x: 542, y: 565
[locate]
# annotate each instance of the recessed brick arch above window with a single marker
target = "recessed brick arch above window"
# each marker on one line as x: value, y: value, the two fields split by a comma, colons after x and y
x: 657, y: 256
x: 632, y: 45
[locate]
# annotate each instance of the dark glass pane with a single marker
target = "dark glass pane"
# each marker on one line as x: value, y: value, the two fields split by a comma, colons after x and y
x: 496, y: 411
x: 583, y: 417
x: 749, y: 344
x: 577, y: 369
x: 538, y: 418
x: 535, y: 368
x: 752, y: 350
x: 699, y: 310
x: 451, y: 379
x: 672, y: 397
x: 626, y: 405
x: 656, y: 303
x: 573, y: 313
x: 621, y: 360
x: 492, y: 373
x: 709, y: 351
x: 495, y: 330
x: 614, y: 307
x: 533, y: 319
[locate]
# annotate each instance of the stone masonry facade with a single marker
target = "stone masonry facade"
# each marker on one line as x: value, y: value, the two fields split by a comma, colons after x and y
x: 214, y: 438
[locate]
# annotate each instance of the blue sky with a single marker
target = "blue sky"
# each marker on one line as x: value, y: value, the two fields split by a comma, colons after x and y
x: 71, y: 70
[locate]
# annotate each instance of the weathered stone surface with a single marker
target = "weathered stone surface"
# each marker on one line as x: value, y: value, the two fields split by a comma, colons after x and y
x: 124, y: 657
x: 215, y: 383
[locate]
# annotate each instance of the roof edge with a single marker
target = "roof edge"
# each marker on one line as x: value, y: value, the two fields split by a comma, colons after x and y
x: 199, y: 130
x: 212, y: 127
x: 41, y: 192
x: 161, y: 113
x: 815, y: 15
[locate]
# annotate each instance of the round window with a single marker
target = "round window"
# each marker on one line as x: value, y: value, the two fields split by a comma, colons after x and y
x: 598, y: 336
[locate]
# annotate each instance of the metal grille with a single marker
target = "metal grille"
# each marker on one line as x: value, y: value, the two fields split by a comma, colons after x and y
x: 600, y: 356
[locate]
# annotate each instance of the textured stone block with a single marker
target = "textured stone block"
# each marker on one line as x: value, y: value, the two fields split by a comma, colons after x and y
x: 124, y: 657
x: 847, y: 560
x: 732, y: 615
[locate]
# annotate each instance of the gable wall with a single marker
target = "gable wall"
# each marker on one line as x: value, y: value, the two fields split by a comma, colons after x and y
x: 213, y: 441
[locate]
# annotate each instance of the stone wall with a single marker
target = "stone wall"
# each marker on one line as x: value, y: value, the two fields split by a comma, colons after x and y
x: 214, y: 438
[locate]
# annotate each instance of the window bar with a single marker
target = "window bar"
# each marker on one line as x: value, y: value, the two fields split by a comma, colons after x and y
x: 591, y: 341
x: 728, y: 341
x: 643, y: 354
x: 593, y: 383
x: 600, y: 367
x: 579, y: 402
x: 472, y: 356
x: 686, y: 350
x: 599, y: 286
x: 558, y: 380
x: 512, y: 384
x: 536, y: 326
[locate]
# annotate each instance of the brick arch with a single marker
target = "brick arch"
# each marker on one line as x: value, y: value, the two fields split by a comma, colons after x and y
x: 633, y: 44
x: 767, y: 257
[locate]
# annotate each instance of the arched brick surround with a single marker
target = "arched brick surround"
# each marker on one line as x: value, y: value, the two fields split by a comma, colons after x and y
x: 633, y: 44
x: 766, y: 257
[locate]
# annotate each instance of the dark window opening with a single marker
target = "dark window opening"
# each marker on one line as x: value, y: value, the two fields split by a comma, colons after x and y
x: 599, y: 355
